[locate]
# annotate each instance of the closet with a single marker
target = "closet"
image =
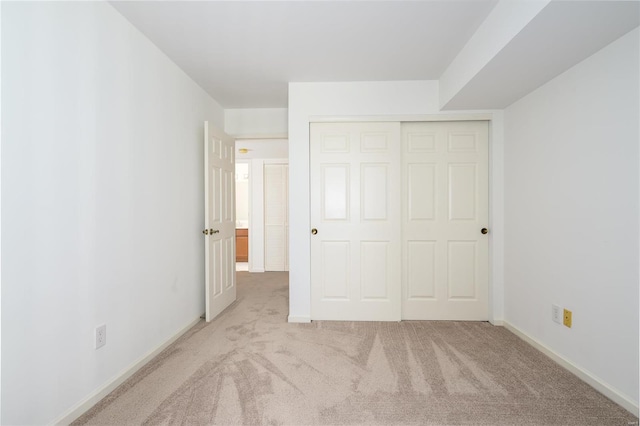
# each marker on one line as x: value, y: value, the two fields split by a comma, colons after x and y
x: 399, y: 221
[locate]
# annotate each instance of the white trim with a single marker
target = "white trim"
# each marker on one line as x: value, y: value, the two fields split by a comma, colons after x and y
x: 276, y: 161
x: 0, y: 214
x: 260, y: 136
x: 85, y: 405
x: 205, y: 208
x: 496, y: 322
x: 294, y: 319
x: 589, y: 378
x: 496, y: 217
x: 256, y: 215
x: 401, y: 118
x: 246, y: 161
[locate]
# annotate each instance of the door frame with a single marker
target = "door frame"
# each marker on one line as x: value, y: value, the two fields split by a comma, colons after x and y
x: 249, y: 195
x: 496, y: 193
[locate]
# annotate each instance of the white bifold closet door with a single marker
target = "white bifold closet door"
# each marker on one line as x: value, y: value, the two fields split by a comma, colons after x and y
x: 355, y: 215
x: 276, y: 217
x: 445, y: 207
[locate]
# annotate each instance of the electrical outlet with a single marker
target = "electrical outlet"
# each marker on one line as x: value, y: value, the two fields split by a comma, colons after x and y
x: 101, y: 336
x: 567, y: 318
x: 556, y: 314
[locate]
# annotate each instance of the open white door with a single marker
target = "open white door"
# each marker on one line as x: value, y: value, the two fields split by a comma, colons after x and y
x: 219, y: 216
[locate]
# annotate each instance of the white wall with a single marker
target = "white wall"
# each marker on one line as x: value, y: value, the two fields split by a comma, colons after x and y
x: 571, y: 209
x: 399, y: 99
x: 256, y: 122
x: 242, y: 194
x: 102, y: 196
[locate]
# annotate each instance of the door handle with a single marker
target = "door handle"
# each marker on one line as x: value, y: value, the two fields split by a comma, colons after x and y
x: 314, y: 231
x: 205, y: 232
x: 484, y: 231
x: 213, y: 231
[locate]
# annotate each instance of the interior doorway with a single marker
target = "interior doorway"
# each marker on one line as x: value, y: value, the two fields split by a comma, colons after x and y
x: 254, y: 158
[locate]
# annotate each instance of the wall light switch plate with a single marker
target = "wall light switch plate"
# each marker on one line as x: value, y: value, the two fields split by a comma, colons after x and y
x: 556, y: 314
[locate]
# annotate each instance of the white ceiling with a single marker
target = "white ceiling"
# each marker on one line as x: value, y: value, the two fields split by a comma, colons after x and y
x: 561, y: 35
x: 244, y: 53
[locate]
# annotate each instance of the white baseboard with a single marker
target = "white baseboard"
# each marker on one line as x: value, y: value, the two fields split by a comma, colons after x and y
x: 304, y: 319
x: 496, y: 322
x: 83, y: 406
x: 256, y: 270
x: 594, y: 381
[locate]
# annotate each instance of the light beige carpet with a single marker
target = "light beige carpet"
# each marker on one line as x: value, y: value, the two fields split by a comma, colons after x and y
x: 251, y: 367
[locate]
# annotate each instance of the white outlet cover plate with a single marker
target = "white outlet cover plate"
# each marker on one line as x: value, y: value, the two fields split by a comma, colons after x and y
x: 101, y: 336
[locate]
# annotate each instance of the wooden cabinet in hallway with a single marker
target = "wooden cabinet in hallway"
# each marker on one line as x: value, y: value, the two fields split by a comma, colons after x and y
x: 242, y: 245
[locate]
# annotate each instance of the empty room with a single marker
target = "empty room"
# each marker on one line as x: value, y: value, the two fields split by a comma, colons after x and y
x: 439, y: 219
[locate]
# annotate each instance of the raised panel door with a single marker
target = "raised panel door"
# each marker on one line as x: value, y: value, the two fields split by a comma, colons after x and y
x: 276, y: 223
x: 219, y: 166
x: 355, y: 208
x: 445, y: 205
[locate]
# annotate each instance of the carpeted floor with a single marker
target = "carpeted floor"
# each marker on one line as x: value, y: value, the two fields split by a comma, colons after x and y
x: 251, y: 367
